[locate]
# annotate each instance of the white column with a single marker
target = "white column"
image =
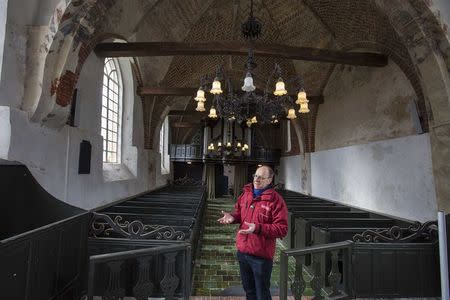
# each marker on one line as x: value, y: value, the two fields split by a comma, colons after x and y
x: 443, y: 259
x: 3, y: 18
x: 35, y: 65
x: 206, y: 134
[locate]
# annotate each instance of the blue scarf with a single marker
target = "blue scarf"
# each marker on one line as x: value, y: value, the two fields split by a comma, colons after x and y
x: 258, y: 192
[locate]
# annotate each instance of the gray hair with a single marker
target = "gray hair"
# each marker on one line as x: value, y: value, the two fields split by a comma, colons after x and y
x: 269, y: 169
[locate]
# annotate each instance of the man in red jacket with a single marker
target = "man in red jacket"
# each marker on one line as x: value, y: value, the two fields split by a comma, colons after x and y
x: 262, y: 217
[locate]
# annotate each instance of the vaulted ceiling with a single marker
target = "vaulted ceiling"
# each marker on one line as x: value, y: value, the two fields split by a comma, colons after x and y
x: 329, y: 24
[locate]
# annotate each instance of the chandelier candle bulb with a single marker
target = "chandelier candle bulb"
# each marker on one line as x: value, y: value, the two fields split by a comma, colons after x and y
x: 212, y: 113
x: 200, y: 95
x: 304, y: 107
x: 291, y: 114
x: 219, y: 144
x: 228, y: 144
x: 280, y: 89
x: 301, y: 97
x: 248, y: 83
x: 200, y: 106
x: 253, y: 120
x: 216, y: 87
x: 239, y: 145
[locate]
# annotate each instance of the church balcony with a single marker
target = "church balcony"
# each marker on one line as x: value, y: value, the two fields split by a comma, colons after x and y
x: 194, y: 153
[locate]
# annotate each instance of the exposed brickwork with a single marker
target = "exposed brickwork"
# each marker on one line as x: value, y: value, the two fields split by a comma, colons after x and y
x: 365, y: 26
x: 307, y: 123
x: 92, y: 14
x: 64, y: 90
x: 331, y: 24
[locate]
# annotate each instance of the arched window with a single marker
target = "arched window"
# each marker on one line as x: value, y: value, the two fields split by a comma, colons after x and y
x: 111, y: 111
x: 164, y: 146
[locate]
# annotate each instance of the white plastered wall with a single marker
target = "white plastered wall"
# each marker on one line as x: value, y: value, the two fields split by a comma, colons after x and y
x: 368, y: 150
x: 393, y: 177
x: 293, y: 172
x: 52, y: 154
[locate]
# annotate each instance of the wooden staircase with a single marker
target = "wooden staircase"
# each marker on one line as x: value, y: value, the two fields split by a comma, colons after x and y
x: 216, y: 268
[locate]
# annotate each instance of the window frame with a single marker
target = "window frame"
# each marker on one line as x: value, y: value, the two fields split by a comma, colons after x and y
x: 164, y: 146
x: 111, y: 111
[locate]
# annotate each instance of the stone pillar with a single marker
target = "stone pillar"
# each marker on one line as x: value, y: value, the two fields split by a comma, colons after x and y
x: 440, y: 149
x: 35, y: 62
x: 206, y: 135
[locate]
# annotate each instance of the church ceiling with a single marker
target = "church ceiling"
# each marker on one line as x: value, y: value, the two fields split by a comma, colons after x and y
x: 327, y: 24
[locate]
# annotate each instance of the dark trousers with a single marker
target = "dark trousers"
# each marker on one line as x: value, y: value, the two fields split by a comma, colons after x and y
x: 255, y: 276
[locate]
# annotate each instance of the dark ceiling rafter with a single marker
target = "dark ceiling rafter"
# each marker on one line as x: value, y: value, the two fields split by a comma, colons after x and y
x: 240, y: 49
x: 185, y: 124
x: 176, y: 112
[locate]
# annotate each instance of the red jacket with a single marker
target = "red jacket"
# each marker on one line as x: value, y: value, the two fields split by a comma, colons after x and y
x: 269, y: 213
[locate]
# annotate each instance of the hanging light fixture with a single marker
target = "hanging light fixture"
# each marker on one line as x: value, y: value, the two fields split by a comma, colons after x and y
x: 216, y: 87
x: 304, y: 107
x: 303, y: 102
x: 200, y: 95
x: 200, y: 106
x: 248, y: 83
x: 291, y: 114
x: 254, y: 105
x: 280, y: 89
x: 212, y: 113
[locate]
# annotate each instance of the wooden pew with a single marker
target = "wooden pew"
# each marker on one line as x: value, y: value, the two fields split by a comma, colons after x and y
x: 170, y: 220
x: 302, y: 226
x: 152, y: 210
x: 293, y: 213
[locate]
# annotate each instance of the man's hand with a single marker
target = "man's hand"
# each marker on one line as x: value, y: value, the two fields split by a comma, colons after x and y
x: 250, y: 229
x: 226, y: 219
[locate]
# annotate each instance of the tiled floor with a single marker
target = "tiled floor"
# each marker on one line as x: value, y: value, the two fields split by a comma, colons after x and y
x: 217, y: 269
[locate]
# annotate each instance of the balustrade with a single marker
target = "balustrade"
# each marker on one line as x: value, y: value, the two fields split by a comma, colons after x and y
x: 312, y: 276
x: 187, y: 152
x: 153, y: 272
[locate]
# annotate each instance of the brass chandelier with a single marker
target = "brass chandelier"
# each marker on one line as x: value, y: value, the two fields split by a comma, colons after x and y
x: 251, y: 105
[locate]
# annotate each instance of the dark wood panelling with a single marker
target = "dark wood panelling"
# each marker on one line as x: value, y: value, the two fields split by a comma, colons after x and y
x: 25, y: 204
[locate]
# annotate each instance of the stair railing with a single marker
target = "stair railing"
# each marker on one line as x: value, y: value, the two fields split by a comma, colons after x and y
x: 151, y: 272
x: 335, y: 284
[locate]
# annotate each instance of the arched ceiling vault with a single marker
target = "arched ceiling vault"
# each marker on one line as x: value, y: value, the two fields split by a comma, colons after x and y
x: 329, y: 24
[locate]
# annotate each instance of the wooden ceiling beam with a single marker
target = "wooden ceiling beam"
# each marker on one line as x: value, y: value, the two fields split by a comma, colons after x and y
x: 175, y: 112
x: 166, y: 91
x: 240, y: 49
x: 184, y: 124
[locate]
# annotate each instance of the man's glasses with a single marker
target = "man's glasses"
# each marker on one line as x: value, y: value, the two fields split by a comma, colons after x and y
x: 260, y: 177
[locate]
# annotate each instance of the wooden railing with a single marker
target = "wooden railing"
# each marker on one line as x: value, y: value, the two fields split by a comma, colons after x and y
x: 46, y: 263
x: 187, y: 152
x: 392, y: 262
x: 314, y: 275
x: 162, y: 272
